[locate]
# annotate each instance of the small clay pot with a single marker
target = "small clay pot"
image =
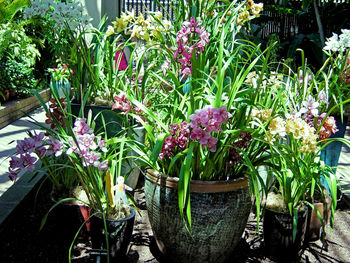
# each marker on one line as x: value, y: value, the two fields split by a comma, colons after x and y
x: 313, y: 232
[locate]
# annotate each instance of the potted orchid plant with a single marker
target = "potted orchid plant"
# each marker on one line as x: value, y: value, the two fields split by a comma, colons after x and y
x: 296, y: 137
x: 337, y: 49
x: 202, y: 142
x: 91, y: 162
x: 60, y: 79
x: 97, y: 164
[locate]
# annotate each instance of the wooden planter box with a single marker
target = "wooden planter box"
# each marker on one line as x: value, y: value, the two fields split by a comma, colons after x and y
x: 14, y: 110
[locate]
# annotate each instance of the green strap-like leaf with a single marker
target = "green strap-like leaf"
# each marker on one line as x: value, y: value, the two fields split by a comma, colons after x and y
x: 184, y: 186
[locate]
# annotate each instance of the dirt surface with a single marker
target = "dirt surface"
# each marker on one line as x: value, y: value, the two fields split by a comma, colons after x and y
x: 21, y: 240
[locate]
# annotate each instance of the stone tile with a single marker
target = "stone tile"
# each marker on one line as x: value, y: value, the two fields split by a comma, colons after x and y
x: 8, y: 137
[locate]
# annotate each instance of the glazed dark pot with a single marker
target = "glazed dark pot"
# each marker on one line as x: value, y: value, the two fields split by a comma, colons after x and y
x: 278, y: 235
x: 119, y: 235
x: 219, y: 210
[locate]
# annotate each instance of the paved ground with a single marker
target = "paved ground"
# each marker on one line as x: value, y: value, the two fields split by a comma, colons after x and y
x: 8, y: 136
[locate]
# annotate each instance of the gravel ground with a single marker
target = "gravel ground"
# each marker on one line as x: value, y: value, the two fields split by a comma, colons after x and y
x: 20, y: 240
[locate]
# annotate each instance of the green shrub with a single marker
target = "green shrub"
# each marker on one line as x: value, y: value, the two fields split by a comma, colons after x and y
x: 18, y: 55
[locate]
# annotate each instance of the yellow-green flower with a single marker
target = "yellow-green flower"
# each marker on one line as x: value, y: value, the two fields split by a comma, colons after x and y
x: 266, y: 114
x: 110, y: 31
x: 256, y: 9
x: 309, y: 143
x: 129, y: 16
x: 277, y: 126
x: 121, y: 24
x: 297, y: 127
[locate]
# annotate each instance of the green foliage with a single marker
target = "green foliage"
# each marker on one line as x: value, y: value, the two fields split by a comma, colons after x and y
x: 8, y: 9
x: 52, y: 42
x: 16, y: 75
x: 18, y: 55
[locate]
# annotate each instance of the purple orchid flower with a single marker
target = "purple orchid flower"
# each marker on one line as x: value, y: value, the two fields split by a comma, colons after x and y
x: 25, y: 146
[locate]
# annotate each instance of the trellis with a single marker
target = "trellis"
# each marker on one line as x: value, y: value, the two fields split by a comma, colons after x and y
x: 145, y: 6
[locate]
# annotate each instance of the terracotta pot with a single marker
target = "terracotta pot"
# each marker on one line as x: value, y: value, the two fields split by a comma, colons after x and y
x: 278, y: 235
x: 219, y: 212
x: 314, y: 227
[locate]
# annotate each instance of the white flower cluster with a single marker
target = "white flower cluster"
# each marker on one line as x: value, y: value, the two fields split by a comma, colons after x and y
x: 274, y: 80
x: 63, y: 13
x: 338, y: 43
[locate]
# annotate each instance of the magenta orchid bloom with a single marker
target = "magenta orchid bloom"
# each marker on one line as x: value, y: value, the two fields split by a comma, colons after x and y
x: 184, y: 38
x: 322, y: 96
x: 101, y: 144
x: 211, y: 144
x: 87, y: 141
x: 56, y: 146
x: 81, y: 128
x: 91, y: 158
x: 103, y: 166
x: 181, y: 36
x: 310, y: 106
x: 200, y: 135
x: 193, y: 24
x: 41, y: 151
x: 122, y: 103
x: 203, y: 122
x: 38, y: 138
x: 16, y: 162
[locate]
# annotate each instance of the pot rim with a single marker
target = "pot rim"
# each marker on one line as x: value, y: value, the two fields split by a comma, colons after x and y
x: 197, y: 186
x: 74, y: 202
x: 119, y: 220
x: 305, y: 209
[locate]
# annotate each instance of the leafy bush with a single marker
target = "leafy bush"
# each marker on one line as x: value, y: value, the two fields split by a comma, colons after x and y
x: 18, y: 55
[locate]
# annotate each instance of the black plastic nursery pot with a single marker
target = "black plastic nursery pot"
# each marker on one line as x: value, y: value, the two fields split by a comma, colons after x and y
x: 119, y: 236
x: 67, y: 218
x: 112, y: 118
x: 278, y: 235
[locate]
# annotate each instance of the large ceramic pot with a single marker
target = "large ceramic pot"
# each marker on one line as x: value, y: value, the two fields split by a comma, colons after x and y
x: 278, y: 235
x: 331, y: 153
x: 119, y: 235
x: 219, y: 211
